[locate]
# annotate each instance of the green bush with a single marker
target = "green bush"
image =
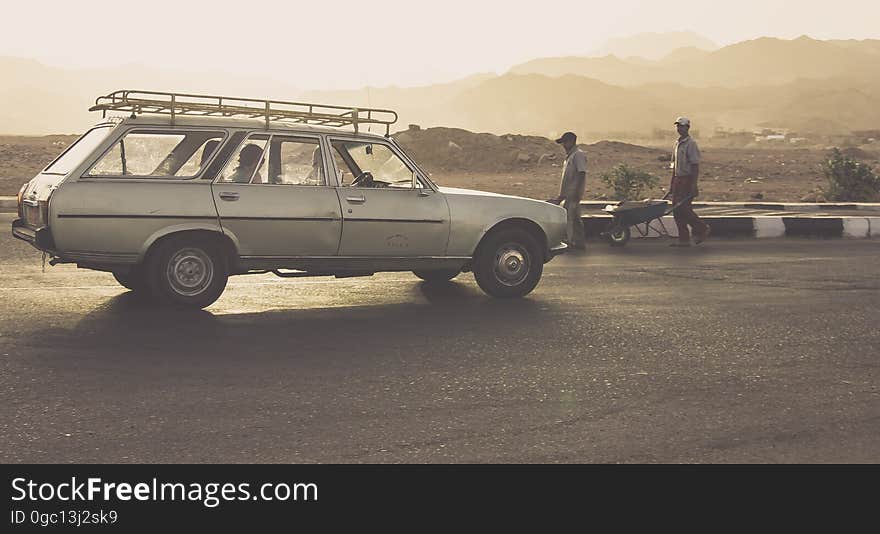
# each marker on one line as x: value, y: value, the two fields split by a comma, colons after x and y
x: 850, y: 180
x: 628, y: 183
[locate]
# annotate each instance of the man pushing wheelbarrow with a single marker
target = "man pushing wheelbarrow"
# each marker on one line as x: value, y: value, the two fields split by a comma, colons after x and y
x: 647, y: 216
x: 683, y: 187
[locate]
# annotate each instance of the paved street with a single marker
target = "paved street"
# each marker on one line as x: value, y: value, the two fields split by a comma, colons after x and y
x: 737, y: 351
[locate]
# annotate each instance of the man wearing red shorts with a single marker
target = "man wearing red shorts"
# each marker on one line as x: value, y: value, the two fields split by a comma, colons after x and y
x: 685, y: 172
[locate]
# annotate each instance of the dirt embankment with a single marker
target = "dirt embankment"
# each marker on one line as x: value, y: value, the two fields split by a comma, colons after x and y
x: 531, y: 166
x: 22, y: 157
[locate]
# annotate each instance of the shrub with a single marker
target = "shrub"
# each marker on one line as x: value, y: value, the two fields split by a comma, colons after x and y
x: 628, y: 183
x: 850, y: 180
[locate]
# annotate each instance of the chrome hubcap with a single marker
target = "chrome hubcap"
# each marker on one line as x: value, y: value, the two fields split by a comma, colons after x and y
x: 512, y: 263
x: 190, y: 271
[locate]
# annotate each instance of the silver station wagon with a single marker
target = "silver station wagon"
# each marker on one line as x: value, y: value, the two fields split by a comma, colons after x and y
x: 183, y: 190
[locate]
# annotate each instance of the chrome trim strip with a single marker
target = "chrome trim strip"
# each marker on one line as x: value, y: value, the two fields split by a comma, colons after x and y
x: 131, y: 216
x: 325, y: 219
x: 430, y: 221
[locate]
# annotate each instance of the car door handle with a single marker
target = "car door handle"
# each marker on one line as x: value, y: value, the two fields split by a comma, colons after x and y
x: 361, y: 199
x: 228, y: 195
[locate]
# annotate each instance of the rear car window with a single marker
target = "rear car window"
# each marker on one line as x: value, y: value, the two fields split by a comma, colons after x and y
x: 159, y: 154
x: 79, y: 150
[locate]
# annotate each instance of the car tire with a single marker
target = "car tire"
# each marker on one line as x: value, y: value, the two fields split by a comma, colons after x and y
x: 132, y: 279
x: 186, y: 272
x: 437, y: 275
x: 509, y: 263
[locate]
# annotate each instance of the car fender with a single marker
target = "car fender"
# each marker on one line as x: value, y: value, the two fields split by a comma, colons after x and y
x: 178, y: 228
x: 502, y: 219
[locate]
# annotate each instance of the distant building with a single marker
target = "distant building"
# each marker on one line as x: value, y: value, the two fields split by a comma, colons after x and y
x: 770, y: 138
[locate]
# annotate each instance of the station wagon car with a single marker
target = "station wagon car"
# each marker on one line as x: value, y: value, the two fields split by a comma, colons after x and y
x: 185, y: 190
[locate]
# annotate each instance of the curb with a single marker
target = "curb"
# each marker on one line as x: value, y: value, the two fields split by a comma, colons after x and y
x: 757, y: 227
x: 770, y: 206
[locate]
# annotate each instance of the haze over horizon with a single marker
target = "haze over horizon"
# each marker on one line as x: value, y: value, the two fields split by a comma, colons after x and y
x: 388, y: 42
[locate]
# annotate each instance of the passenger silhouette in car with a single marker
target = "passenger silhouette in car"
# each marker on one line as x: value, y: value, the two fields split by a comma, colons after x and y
x: 248, y: 159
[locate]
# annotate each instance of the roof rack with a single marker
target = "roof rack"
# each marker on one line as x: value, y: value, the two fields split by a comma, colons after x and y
x: 137, y: 102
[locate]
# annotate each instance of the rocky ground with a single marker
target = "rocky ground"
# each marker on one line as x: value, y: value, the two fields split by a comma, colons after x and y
x: 530, y: 166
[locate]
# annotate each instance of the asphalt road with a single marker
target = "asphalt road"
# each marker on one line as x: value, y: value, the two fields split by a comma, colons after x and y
x: 736, y: 351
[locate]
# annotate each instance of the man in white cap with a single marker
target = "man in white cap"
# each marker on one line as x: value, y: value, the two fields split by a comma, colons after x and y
x: 685, y: 172
x: 571, y: 190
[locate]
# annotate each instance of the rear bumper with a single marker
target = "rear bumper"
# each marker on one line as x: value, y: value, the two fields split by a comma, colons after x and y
x: 41, y: 238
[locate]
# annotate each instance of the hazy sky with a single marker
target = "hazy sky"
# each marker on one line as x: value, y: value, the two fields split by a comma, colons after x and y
x: 346, y: 43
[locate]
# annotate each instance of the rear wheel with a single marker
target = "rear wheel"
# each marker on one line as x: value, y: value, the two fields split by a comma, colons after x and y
x: 186, y: 272
x: 509, y: 263
x: 132, y: 279
x: 437, y: 275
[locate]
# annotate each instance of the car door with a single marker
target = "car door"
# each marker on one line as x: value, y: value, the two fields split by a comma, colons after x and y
x: 386, y: 210
x: 273, y: 198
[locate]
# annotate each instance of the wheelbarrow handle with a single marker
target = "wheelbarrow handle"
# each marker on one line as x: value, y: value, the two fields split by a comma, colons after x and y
x: 679, y: 203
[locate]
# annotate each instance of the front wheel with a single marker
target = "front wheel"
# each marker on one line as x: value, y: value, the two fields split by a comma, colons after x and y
x: 509, y: 263
x: 437, y: 275
x: 187, y: 273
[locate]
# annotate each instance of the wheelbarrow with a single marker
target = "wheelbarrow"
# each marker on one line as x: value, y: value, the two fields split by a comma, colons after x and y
x: 644, y: 216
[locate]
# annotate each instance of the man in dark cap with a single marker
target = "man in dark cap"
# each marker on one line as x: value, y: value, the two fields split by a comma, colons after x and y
x: 571, y: 189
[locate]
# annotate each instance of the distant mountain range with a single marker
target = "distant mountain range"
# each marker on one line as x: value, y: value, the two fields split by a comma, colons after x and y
x: 801, y: 84
x: 653, y: 46
x: 765, y: 61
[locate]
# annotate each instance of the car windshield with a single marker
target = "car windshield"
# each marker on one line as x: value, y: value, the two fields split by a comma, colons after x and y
x: 79, y: 150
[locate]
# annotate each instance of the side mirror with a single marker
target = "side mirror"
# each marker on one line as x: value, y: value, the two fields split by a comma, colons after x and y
x: 417, y: 185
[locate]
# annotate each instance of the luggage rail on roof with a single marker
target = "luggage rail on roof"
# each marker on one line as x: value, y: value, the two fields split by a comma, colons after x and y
x: 137, y: 102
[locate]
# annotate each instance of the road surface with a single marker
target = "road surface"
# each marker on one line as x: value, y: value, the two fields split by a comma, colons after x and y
x: 736, y: 351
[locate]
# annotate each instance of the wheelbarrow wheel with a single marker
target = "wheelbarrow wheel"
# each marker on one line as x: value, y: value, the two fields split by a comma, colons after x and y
x: 617, y: 235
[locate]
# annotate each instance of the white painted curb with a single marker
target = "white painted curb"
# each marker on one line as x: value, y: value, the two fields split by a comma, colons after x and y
x: 756, y: 205
x: 856, y: 227
x: 769, y: 227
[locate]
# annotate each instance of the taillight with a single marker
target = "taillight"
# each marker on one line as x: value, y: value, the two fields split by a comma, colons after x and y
x: 18, y: 199
x: 44, y: 213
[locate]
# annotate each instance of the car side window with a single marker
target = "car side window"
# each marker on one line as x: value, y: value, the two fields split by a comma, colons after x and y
x: 367, y: 164
x: 294, y: 161
x: 277, y: 160
x: 158, y: 154
x: 245, y: 165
